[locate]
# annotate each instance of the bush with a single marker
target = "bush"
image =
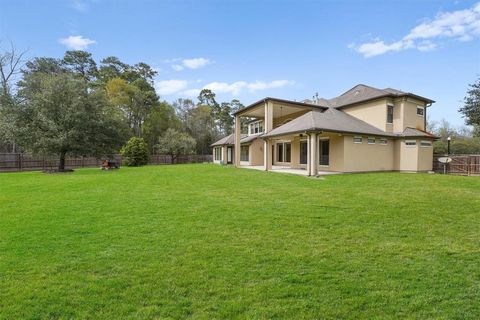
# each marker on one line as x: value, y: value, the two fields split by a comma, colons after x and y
x: 135, y: 152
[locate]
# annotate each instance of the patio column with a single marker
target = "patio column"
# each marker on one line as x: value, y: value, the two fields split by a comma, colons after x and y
x: 237, y: 141
x: 308, y: 155
x: 267, y: 155
x: 267, y: 145
x: 313, y: 154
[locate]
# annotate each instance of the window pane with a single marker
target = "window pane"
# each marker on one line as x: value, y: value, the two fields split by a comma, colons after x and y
x: 244, y: 153
x: 420, y: 111
x: 357, y: 139
x: 371, y: 140
x: 389, y: 114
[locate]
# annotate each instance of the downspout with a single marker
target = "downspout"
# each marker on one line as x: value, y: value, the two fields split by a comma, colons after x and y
x: 425, y: 116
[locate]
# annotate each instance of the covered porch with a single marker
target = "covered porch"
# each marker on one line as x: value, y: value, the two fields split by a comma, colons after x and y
x: 294, y: 153
x: 286, y: 169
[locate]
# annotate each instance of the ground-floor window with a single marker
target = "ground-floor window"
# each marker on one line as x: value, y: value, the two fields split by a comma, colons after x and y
x: 425, y: 143
x: 324, y: 152
x: 410, y: 143
x: 244, y: 153
x: 284, y: 151
x: 218, y: 153
x: 357, y: 139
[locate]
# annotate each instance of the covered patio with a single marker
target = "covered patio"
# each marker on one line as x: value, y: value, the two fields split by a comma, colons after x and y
x: 286, y: 169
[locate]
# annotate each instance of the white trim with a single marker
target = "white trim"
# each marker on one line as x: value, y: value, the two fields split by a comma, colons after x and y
x: 358, y: 137
x: 383, y: 139
x: 370, y: 138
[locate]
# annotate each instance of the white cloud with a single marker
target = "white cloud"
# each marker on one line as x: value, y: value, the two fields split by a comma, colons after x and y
x: 168, y: 87
x: 79, y: 5
x: 177, y: 67
x: 461, y: 25
x: 193, y: 63
x: 191, y: 93
x: 236, y: 87
x: 179, y: 87
x: 196, y: 63
x: 77, y: 42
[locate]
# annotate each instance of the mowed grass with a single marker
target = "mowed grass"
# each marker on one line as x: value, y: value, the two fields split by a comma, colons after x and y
x: 212, y: 242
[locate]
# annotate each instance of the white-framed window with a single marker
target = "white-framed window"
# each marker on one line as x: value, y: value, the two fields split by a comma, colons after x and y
x: 218, y: 153
x: 420, y: 111
x: 256, y: 127
x: 244, y: 153
x: 389, y: 113
x: 383, y: 141
x: 410, y: 143
x: 357, y: 139
x: 425, y: 143
x: 371, y: 140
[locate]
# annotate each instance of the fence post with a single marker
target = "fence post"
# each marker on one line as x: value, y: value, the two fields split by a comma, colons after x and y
x: 19, y: 160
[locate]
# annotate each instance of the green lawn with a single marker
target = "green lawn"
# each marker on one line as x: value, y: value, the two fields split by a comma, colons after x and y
x: 205, y: 241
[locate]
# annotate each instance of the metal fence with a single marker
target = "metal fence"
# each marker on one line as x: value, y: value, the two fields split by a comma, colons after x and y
x: 11, y: 162
x: 464, y: 164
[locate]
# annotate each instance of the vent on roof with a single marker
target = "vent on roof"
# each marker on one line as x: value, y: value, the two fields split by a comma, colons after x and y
x: 356, y: 92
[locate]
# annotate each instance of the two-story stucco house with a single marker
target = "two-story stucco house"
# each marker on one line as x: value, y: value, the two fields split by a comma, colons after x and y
x: 364, y: 129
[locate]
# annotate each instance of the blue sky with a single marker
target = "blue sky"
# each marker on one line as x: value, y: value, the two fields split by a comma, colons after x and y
x: 252, y: 49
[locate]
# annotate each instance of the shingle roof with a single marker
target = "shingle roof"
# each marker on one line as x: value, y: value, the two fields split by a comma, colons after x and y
x: 361, y: 93
x: 329, y: 120
x: 230, y: 139
x: 411, y: 132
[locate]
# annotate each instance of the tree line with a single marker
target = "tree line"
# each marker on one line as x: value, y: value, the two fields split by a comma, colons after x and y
x: 75, y: 106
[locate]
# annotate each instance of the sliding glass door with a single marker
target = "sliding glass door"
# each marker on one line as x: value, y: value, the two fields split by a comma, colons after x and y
x: 303, y: 152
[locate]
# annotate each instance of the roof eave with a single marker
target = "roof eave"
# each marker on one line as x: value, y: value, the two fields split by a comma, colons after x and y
x: 301, y: 104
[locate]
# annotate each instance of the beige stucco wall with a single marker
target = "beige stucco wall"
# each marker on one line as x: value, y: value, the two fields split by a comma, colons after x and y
x: 413, y: 158
x: 368, y: 157
x: 336, y: 161
x: 374, y: 113
x: 410, y: 117
x: 404, y: 114
x: 255, y: 152
x: 406, y: 156
x: 425, y: 158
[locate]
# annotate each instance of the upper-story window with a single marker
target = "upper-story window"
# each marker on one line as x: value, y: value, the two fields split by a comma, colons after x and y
x: 389, y: 114
x: 420, y: 111
x: 256, y: 127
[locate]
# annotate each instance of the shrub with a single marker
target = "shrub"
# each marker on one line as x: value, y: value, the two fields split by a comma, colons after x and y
x: 135, y: 152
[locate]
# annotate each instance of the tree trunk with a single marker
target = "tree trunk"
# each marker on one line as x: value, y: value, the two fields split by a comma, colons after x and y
x: 61, y: 164
x: 173, y: 159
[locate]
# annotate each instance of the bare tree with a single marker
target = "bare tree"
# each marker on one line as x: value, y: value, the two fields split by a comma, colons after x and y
x: 11, y: 61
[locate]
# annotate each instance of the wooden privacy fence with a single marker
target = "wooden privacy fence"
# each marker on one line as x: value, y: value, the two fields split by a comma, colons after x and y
x: 10, y: 162
x: 468, y: 164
